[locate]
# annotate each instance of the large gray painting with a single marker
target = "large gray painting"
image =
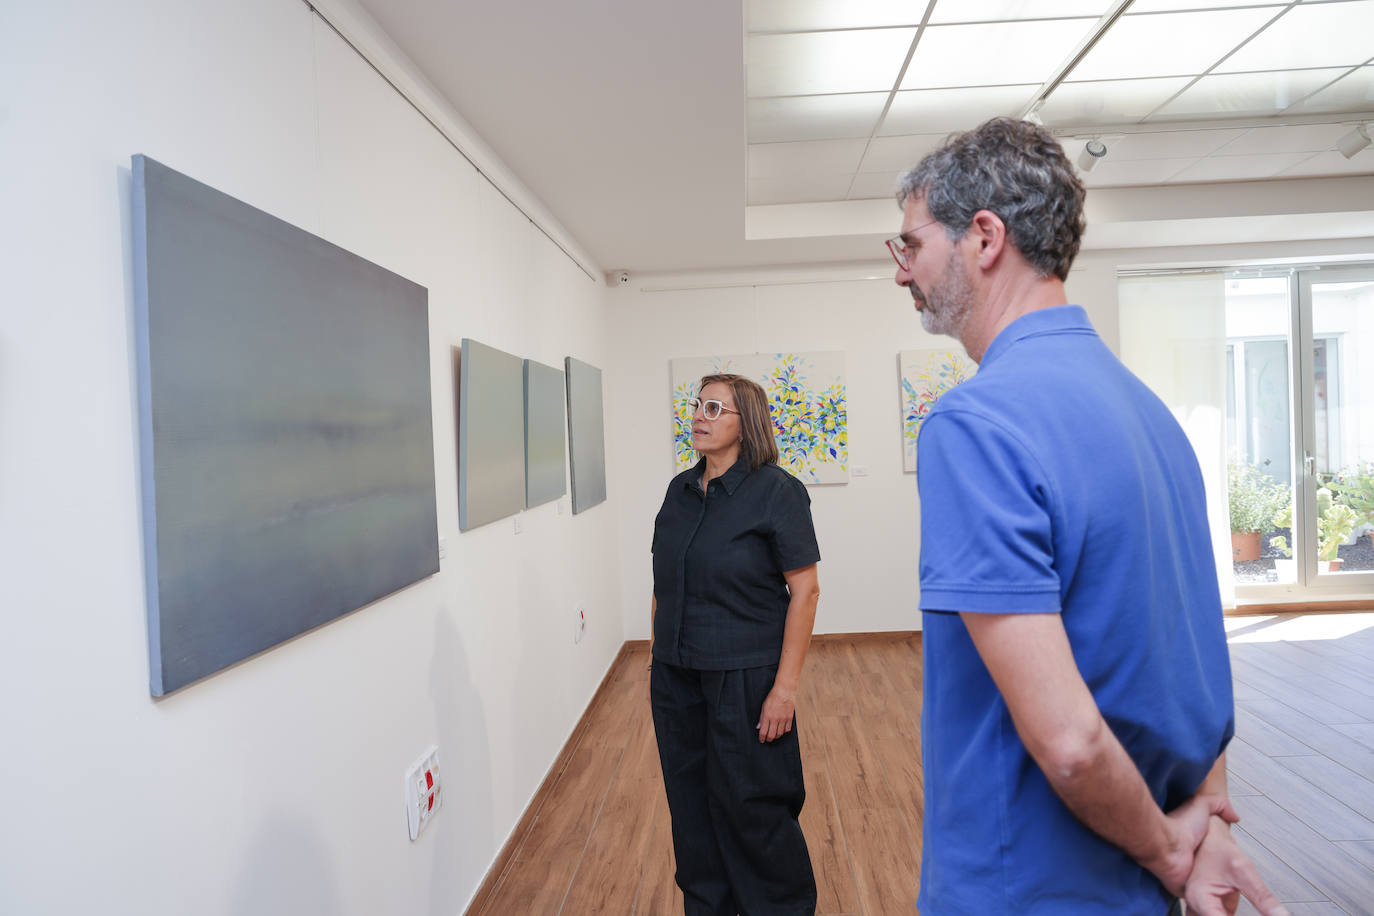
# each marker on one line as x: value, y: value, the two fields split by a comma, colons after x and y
x: 491, y: 435
x: 586, y: 435
x: 546, y: 453
x: 286, y: 436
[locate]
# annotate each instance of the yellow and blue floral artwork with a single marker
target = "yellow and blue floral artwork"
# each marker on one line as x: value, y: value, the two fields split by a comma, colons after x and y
x: 925, y: 375
x: 806, y: 397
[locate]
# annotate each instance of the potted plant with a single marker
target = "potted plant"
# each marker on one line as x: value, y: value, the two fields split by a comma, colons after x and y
x: 1335, y: 521
x: 1253, y: 499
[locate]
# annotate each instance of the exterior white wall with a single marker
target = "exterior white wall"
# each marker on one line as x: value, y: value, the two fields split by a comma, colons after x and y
x: 274, y: 786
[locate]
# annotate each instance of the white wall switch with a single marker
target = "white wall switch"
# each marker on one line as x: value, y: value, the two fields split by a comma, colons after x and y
x: 579, y: 623
x: 519, y: 526
x: 443, y: 548
x: 424, y: 794
x: 860, y: 470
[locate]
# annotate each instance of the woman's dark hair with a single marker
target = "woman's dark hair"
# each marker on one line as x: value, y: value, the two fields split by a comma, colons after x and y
x: 757, y: 445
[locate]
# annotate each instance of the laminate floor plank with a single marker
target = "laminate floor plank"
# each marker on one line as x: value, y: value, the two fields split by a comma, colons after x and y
x: 1341, y: 783
x: 1324, y: 814
x: 1323, y: 739
x: 1265, y: 738
x: 1331, y: 870
x: 1283, y: 880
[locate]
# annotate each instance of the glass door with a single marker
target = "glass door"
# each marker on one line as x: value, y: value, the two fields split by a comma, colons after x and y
x: 1300, y: 433
x: 1336, y: 320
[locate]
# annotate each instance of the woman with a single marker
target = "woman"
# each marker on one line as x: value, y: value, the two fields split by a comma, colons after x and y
x: 735, y: 593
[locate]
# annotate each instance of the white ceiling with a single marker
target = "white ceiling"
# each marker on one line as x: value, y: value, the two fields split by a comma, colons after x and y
x: 635, y: 123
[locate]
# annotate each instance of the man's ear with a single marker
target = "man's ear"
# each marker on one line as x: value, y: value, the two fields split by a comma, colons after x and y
x: 990, y: 234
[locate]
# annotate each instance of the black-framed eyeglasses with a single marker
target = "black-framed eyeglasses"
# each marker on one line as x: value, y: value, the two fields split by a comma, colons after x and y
x: 901, y: 251
x: 710, y: 409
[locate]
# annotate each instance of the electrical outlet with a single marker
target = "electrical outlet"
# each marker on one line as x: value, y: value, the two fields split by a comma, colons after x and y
x: 424, y: 793
x: 580, y: 623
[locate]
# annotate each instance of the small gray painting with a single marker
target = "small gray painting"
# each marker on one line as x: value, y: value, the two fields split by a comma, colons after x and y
x: 491, y: 435
x: 546, y: 451
x: 586, y: 435
x: 287, y: 448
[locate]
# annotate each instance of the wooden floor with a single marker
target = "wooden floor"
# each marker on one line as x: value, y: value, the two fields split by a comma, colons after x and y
x: 1302, y: 770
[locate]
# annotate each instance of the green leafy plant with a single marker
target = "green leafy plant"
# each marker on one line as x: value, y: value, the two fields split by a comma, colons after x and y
x: 1355, y: 488
x: 1253, y: 499
x: 1335, y: 522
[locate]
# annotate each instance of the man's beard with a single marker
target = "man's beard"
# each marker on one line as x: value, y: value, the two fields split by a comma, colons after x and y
x: 947, y: 306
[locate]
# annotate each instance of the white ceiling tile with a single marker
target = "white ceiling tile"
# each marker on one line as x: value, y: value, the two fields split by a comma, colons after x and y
x: 1108, y: 101
x: 1112, y: 173
x: 897, y: 154
x: 935, y: 110
x: 815, y: 117
x: 1301, y: 138
x: 999, y: 10
x: 1160, y: 6
x: 874, y: 185
x: 994, y: 53
x: 1311, y: 35
x: 1333, y: 163
x: 806, y: 15
x: 806, y: 158
x: 1352, y: 92
x: 1177, y: 144
x: 1245, y: 94
x: 824, y: 62
x: 1168, y: 44
x: 1240, y: 168
x: 798, y: 190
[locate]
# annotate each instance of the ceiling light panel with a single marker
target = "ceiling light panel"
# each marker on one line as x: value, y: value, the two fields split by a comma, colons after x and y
x: 1245, y: 94
x: 812, y: 157
x: 1169, y: 44
x: 817, y: 15
x: 826, y: 62
x: 1173, y: 144
x: 1112, y: 173
x: 897, y: 154
x: 1165, y: 6
x: 1352, y: 92
x: 875, y: 185
x: 1001, y: 10
x: 1108, y: 101
x: 1300, y: 138
x: 763, y: 191
x: 1311, y: 35
x: 815, y: 117
x: 1332, y: 163
x: 993, y: 53
x: 926, y: 111
x: 1240, y: 168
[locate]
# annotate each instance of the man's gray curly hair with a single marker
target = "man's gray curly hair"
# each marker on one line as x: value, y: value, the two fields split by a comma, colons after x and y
x: 1018, y: 171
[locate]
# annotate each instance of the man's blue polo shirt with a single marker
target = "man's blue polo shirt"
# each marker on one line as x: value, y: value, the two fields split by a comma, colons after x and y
x: 1054, y: 481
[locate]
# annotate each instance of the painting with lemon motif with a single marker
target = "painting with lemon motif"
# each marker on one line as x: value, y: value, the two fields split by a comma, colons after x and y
x: 925, y: 375
x: 806, y: 397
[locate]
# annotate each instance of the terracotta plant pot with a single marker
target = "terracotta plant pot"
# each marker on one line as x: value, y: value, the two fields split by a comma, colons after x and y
x: 1334, y: 565
x: 1245, y: 546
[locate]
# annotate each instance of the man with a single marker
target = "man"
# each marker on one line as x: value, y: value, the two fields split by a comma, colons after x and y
x: 1077, y: 684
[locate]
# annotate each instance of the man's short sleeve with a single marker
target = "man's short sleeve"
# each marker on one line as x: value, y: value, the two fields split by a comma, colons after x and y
x: 793, y: 533
x: 986, y: 520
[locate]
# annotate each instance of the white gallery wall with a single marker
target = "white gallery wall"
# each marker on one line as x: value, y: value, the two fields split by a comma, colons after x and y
x: 275, y: 786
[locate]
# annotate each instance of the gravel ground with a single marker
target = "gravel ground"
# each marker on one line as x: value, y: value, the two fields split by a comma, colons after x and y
x: 1358, y: 556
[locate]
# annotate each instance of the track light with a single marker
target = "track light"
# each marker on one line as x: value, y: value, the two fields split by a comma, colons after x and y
x: 1093, y: 152
x: 1353, y: 142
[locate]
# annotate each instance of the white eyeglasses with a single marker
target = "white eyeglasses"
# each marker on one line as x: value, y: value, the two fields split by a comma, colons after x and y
x: 711, y: 409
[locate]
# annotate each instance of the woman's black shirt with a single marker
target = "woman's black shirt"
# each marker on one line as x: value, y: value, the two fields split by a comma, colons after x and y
x: 718, y: 565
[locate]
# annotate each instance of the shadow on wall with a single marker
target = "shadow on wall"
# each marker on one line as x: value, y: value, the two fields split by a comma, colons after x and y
x: 289, y: 870
x: 462, y: 833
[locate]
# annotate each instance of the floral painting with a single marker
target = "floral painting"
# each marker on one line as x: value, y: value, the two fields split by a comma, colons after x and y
x: 806, y: 397
x: 927, y: 374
